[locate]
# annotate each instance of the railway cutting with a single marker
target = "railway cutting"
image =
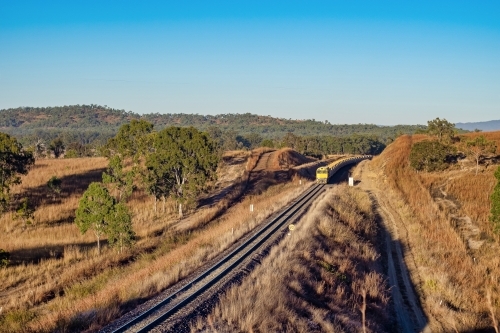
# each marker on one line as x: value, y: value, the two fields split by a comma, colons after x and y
x: 197, y: 295
x: 217, y: 275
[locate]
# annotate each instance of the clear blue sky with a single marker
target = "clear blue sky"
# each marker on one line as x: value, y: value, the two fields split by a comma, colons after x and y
x: 382, y: 62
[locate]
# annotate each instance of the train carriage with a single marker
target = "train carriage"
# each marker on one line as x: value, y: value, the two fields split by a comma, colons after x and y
x: 324, y: 173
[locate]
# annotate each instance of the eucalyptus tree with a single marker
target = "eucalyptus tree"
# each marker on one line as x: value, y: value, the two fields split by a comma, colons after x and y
x: 14, y: 162
x: 118, y: 178
x: 132, y: 140
x: 182, y: 163
x: 39, y: 148
x: 57, y: 147
x: 478, y: 148
x: 119, y: 228
x: 94, y: 210
x: 441, y: 128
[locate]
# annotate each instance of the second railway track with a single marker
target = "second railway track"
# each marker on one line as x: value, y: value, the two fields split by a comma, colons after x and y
x: 196, y: 287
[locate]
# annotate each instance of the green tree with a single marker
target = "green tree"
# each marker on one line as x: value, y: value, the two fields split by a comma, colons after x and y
x: 230, y: 140
x: 132, y: 140
x: 478, y: 148
x: 292, y: 141
x: 25, y: 212
x: 156, y: 179
x: 57, y: 147
x: 54, y: 185
x: 495, y: 204
x: 4, y: 258
x: 94, y: 210
x: 267, y: 143
x: 216, y: 134
x: 14, y: 161
x: 183, y: 162
x: 119, y: 228
x: 441, y: 128
x: 430, y: 155
x: 121, y: 180
x: 254, y: 140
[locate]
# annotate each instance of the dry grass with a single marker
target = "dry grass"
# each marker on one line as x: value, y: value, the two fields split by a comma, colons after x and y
x: 446, y: 215
x: 58, y: 282
x: 313, y: 280
x: 255, y: 156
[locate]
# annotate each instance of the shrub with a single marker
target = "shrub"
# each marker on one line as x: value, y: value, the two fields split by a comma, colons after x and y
x: 430, y: 155
x: 4, y: 258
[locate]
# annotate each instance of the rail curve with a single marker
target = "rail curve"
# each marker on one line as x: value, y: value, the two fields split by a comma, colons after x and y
x: 172, y: 304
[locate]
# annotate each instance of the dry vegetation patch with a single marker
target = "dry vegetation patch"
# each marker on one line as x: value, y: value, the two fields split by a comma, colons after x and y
x: 446, y: 216
x: 59, y: 283
x: 321, y: 278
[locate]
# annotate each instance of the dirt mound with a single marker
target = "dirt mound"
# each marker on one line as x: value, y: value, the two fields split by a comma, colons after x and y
x: 288, y: 158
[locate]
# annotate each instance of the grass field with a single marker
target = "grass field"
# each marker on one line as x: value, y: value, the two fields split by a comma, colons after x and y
x: 56, y: 281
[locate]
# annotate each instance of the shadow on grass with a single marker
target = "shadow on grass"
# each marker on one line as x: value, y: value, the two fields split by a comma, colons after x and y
x: 70, y: 185
x: 34, y: 255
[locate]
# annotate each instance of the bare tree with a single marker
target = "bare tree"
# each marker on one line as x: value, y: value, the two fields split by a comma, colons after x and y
x: 478, y: 148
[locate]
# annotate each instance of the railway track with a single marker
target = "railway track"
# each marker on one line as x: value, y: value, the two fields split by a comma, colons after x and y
x: 172, y: 304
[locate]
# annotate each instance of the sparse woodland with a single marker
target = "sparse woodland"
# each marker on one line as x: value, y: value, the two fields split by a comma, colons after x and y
x: 83, y: 240
x: 55, y: 279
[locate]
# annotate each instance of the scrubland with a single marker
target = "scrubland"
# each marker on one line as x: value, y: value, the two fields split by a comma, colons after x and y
x: 323, y: 277
x: 56, y: 281
x: 457, y: 268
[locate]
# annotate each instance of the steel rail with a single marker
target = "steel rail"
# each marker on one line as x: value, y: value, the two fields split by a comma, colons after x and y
x: 259, y: 237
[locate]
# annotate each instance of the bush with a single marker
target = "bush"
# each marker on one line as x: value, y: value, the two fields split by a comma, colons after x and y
x: 430, y: 155
x: 4, y: 258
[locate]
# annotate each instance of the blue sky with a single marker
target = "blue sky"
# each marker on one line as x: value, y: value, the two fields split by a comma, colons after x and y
x: 382, y: 62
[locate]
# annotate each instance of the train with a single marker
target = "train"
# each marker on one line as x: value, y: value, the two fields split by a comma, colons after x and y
x: 325, y: 172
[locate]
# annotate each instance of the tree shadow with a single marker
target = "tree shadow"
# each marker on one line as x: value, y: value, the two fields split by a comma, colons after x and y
x: 34, y: 255
x: 70, y: 185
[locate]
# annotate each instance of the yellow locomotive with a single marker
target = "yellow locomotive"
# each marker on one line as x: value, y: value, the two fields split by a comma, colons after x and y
x: 324, y: 173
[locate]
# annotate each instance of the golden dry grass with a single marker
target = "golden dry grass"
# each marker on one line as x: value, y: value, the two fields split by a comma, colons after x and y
x: 313, y: 280
x: 456, y: 268
x: 58, y: 282
x: 255, y: 156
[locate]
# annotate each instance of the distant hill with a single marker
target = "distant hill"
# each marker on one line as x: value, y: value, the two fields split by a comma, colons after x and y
x: 91, y: 123
x: 492, y: 125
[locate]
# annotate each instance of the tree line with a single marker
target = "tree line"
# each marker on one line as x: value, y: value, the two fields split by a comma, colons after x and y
x: 95, y: 124
x: 318, y: 145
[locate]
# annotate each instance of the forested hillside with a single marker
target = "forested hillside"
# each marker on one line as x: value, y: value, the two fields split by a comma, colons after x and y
x: 93, y: 123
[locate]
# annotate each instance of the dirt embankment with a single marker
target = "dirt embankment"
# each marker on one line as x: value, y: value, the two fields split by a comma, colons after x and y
x: 400, y: 263
x: 277, y: 166
x: 440, y: 220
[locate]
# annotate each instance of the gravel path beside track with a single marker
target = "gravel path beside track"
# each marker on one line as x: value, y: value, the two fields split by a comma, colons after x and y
x: 410, y: 316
